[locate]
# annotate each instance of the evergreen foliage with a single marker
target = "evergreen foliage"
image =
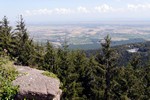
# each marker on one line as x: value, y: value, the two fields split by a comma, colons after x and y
x: 7, y: 42
x: 83, y: 78
x: 94, y: 80
x: 49, y: 58
x: 25, y: 47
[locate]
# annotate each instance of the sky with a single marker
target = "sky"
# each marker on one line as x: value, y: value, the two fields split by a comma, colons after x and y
x: 63, y: 11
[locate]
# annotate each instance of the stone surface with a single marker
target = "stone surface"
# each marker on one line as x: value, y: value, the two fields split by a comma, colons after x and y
x: 33, y: 85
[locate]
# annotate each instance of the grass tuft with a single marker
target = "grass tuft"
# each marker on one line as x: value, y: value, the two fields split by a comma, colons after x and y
x: 49, y: 74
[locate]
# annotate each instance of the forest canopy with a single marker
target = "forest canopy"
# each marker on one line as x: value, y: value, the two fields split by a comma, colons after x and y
x: 97, y: 77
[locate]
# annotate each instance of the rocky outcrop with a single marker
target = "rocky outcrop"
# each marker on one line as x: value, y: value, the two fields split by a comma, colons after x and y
x: 33, y: 85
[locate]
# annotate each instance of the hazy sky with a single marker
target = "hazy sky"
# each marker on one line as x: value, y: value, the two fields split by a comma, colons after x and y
x: 37, y: 11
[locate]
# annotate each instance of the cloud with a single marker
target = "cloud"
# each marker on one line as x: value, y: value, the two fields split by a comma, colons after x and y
x: 47, y: 11
x: 138, y: 7
x: 62, y: 10
x: 104, y: 8
x: 83, y: 10
x: 38, y: 12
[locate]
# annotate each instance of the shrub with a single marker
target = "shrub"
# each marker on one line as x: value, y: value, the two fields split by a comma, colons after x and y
x: 7, y: 75
x: 49, y: 74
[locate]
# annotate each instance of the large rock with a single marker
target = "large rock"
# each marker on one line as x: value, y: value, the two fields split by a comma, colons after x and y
x: 33, y: 85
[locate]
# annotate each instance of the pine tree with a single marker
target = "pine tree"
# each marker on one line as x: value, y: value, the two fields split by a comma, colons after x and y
x: 94, y: 80
x: 107, y: 58
x: 74, y: 76
x: 135, y: 61
x: 127, y: 83
x: 25, y: 45
x: 62, y: 62
x: 7, y: 42
x: 21, y: 30
x: 49, y: 58
x: 70, y: 84
x: 37, y: 57
x: 146, y: 81
x: 80, y: 62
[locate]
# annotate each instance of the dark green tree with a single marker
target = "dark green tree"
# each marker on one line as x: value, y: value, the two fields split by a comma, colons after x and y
x: 80, y: 64
x: 107, y: 58
x: 49, y: 58
x: 146, y: 82
x: 7, y: 42
x: 94, y: 80
x: 25, y: 44
x: 62, y: 62
x: 135, y: 61
x: 37, y: 57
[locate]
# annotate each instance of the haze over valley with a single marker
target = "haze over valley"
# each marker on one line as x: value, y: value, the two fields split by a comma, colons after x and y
x: 88, y: 35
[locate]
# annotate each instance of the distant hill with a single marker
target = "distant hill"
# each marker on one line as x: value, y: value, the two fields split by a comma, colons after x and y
x: 96, y: 44
x: 127, y: 51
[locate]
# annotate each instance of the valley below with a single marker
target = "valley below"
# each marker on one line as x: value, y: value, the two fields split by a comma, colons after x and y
x: 88, y: 36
